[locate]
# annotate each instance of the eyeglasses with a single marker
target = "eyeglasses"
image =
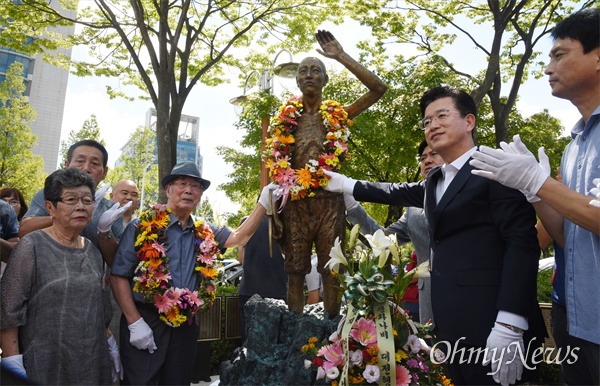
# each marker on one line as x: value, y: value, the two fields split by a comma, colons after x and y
x: 424, y: 156
x: 440, y: 116
x: 73, y: 200
x: 12, y: 202
x: 184, y: 184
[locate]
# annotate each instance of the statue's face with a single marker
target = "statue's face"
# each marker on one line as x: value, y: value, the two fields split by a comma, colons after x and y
x: 311, y: 76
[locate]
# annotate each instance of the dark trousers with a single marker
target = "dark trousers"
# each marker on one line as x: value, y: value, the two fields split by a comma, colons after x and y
x: 586, y: 369
x: 173, y: 360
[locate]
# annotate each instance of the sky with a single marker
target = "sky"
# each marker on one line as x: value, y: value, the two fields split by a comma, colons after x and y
x: 118, y: 118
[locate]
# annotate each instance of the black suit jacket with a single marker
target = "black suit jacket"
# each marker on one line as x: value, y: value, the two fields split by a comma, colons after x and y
x: 484, y: 252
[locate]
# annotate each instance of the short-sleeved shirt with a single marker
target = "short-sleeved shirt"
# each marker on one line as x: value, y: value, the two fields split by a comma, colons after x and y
x: 579, y: 167
x: 37, y: 209
x: 179, y: 250
x: 9, y: 224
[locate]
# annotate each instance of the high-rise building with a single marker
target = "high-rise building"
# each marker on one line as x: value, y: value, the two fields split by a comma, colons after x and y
x: 46, y: 89
x: 188, y: 148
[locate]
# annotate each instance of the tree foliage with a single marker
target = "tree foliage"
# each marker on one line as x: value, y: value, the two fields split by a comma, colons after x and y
x: 89, y: 130
x: 166, y: 48
x: 506, y: 33
x: 138, y: 164
x: 19, y: 167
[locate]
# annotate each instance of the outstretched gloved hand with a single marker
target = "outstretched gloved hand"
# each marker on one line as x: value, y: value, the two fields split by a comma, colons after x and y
x: 115, y: 359
x: 339, y: 183
x: 110, y: 216
x: 516, y: 170
x: 264, y: 195
x: 100, y: 194
x: 141, y: 336
x: 14, y: 364
x: 504, y: 349
x: 518, y: 147
x: 596, y: 192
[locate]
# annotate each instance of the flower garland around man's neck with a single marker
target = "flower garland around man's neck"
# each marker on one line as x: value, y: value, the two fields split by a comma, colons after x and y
x: 152, y: 276
x: 299, y: 183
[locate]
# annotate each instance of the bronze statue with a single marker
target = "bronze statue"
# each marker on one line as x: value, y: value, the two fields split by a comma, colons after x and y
x: 321, y: 218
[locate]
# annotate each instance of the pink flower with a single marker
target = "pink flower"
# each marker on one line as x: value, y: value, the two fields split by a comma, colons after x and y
x: 163, y: 303
x: 160, y: 248
x: 333, y: 354
x: 364, y: 332
x: 194, y: 299
x: 161, y: 276
x: 402, y: 376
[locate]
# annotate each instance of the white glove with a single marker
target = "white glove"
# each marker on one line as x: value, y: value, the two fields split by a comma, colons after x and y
x: 505, y: 349
x: 596, y: 192
x: 141, y: 336
x: 350, y: 202
x: 14, y: 364
x: 339, y: 183
x: 264, y: 195
x: 115, y: 357
x: 518, y: 147
x: 100, y: 194
x: 110, y: 216
x: 517, y: 171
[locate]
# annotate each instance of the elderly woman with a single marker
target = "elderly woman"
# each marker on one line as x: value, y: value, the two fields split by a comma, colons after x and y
x: 15, y: 198
x: 53, y: 315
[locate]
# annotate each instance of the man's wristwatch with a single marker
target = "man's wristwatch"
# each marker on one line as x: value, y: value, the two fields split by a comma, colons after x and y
x: 105, y: 235
x: 512, y: 328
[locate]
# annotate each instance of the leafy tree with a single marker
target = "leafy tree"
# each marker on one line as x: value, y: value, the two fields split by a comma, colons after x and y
x: 138, y: 164
x: 19, y: 167
x: 166, y: 48
x: 89, y: 130
x: 506, y: 32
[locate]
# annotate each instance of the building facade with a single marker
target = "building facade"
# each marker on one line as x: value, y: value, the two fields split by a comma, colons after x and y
x: 46, y: 89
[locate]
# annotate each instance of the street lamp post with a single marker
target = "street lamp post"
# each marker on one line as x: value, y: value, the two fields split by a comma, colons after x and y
x: 284, y: 70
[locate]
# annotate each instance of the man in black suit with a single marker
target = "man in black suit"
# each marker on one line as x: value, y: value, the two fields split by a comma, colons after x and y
x: 484, y: 249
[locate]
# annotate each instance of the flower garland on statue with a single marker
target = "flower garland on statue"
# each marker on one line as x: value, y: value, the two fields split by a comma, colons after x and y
x: 299, y: 183
x: 152, y: 276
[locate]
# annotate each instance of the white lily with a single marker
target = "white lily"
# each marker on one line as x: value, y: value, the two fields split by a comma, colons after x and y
x: 394, y: 247
x: 383, y: 258
x: 421, y: 271
x: 337, y: 256
x: 379, y: 242
x: 353, y: 236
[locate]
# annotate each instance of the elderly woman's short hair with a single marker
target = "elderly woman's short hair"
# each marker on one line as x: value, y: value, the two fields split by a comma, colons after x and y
x: 66, y: 178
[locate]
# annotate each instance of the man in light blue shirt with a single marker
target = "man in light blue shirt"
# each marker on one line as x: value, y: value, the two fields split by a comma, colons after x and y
x: 566, y: 209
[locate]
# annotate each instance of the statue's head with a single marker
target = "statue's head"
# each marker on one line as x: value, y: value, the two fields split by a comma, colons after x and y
x: 312, y: 75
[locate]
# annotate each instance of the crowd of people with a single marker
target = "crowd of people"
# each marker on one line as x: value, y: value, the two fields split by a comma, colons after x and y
x: 79, y: 305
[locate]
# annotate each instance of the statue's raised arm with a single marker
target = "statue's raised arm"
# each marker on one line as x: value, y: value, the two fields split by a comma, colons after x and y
x: 331, y: 48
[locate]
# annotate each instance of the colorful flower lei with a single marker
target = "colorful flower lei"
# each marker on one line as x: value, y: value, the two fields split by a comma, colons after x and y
x: 153, y: 278
x: 299, y: 183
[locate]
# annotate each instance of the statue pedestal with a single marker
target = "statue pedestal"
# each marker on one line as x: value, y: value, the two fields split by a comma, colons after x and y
x: 271, y: 355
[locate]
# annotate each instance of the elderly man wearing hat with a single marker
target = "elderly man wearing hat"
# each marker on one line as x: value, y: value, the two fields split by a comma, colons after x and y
x: 160, y: 284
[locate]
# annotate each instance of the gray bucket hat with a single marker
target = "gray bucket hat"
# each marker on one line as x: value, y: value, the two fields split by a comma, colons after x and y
x: 185, y: 169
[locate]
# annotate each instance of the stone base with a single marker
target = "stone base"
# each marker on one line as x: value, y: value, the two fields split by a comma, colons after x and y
x: 271, y: 355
